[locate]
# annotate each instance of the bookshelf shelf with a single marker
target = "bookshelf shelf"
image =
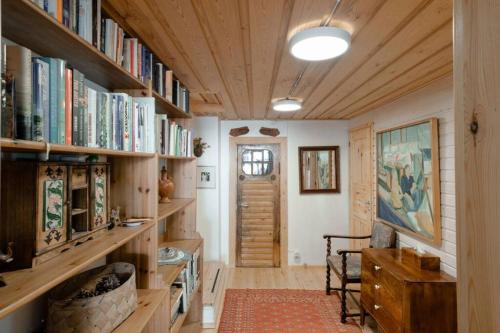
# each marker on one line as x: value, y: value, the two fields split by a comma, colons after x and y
x: 33, y: 146
x: 148, y: 301
x: 30, y: 26
x: 25, y: 285
x: 172, y: 157
x: 168, y: 273
x: 177, y: 325
x: 163, y: 106
x: 167, y: 209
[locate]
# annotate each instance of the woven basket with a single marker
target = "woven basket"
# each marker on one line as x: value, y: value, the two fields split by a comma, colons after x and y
x: 99, y: 314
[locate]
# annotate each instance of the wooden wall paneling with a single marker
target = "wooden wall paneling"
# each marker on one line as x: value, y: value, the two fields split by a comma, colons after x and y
x: 426, y: 79
x: 424, y: 71
x: 477, y: 157
x: 385, y: 21
x: 363, y: 85
x: 304, y: 14
x: 135, y: 190
x: 221, y: 24
x: 350, y: 15
x: 267, y: 29
x: 405, y: 45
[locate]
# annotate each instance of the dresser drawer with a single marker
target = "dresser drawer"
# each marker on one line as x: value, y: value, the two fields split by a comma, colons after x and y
x: 381, y: 314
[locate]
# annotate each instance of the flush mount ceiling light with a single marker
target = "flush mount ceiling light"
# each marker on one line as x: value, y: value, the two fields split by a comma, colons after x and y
x: 321, y: 43
x: 287, y: 105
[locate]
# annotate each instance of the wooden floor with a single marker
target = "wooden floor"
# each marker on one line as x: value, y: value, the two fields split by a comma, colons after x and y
x: 294, y: 277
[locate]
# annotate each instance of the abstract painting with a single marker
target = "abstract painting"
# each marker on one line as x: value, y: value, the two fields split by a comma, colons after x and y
x: 408, y: 187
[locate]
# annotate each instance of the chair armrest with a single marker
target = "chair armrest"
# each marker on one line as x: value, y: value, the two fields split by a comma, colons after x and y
x: 346, y: 236
x: 343, y: 252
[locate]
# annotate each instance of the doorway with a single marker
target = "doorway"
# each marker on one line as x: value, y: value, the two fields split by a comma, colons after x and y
x: 258, y: 225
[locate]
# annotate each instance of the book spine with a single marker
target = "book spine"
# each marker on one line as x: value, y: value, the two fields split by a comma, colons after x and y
x: 69, y: 105
x: 75, y: 109
x: 18, y: 64
x: 92, y: 103
x: 45, y: 97
x: 126, y: 124
x: 37, y: 123
x: 61, y: 101
x: 81, y: 109
x: 98, y: 118
x: 66, y: 12
x: 59, y: 11
x: 85, y: 117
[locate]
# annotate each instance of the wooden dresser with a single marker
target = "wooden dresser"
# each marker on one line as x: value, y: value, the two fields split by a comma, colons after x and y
x: 402, y: 297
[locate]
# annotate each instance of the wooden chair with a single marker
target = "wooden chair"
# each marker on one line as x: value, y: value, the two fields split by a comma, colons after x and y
x: 348, y: 267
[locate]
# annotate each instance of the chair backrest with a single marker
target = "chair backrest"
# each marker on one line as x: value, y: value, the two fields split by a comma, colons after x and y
x: 383, y: 236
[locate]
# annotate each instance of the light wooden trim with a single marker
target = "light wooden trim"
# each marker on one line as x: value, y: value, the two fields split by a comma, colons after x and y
x: 436, y: 182
x: 233, y: 165
x: 373, y: 181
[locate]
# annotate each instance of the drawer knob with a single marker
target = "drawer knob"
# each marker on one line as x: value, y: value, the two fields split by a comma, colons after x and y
x: 377, y: 286
x: 376, y: 307
x: 377, y: 267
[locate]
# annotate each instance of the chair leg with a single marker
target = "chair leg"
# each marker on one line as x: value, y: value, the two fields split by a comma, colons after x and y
x: 328, y: 279
x: 343, y: 297
x: 362, y: 315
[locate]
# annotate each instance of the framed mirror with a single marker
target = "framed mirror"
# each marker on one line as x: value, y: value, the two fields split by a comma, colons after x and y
x: 319, y: 169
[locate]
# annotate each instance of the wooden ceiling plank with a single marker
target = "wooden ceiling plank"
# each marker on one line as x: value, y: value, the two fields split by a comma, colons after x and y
x: 425, y: 80
x: 423, y: 25
x: 222, y: 32
x: 428, y: 66
x: 305, y: 14
x: 388, y: 20
x: 269, y: 23
x: 422, y: 51
x: 243, y: 10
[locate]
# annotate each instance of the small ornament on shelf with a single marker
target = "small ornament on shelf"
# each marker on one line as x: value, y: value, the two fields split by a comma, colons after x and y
x: 165, y: 186
x: 199, y: 147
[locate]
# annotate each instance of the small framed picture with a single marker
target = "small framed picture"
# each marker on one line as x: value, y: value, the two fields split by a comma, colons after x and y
x: 205, y: 177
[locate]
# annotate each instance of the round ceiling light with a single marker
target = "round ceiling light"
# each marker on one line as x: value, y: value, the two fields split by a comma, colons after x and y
x: 287, y: 105
x: 321, y: 43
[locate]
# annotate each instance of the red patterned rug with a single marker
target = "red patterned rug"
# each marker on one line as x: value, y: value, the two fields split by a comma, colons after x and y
x: 282, y: 310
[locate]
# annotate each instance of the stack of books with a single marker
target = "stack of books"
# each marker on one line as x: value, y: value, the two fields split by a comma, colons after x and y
x: 44, y: 100
x: 85, y: 18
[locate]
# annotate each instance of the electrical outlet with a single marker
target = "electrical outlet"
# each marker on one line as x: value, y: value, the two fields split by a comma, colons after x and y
x: 296, y: 257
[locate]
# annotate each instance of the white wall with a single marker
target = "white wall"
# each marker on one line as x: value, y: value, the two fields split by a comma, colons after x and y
x: 311, y: 215
x: 435, y: 100
x: 207, y: 207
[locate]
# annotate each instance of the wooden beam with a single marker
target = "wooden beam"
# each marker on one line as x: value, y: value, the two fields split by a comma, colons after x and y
x: 206, y: 108
x: 476, y: 82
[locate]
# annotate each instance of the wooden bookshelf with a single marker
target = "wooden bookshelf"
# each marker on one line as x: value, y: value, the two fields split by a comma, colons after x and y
x: 41, y: 147
x: 27, y: 24
x: 25, y: 285
x: 178, y: 323
x: 163, y: 106
x: 168, y: 273
x: 167, y: 209
x: 189, y: 245
x: 149, y: 301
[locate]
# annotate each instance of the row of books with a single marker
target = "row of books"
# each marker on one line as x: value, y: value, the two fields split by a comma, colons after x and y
x: 85, y: 18
x: 44, y: 100
x: 173, y: 139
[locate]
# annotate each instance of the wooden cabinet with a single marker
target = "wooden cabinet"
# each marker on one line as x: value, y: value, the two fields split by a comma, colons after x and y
x: 47, y: 205
x: 403, y: 298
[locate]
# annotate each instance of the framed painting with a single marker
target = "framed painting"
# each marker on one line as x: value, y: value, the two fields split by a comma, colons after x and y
x: 205, y: 177
x: 319, y: 169
x: 408, y: 185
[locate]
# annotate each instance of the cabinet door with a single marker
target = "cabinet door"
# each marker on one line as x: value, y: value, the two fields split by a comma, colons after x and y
x: 98, y: 196
x: 52, y: 218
